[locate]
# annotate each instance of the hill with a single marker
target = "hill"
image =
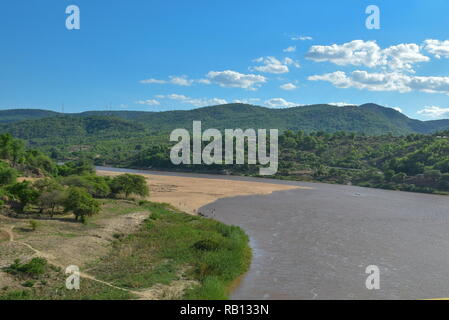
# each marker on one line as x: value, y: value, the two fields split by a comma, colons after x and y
x: 15, y: 115
x: 369, y: 118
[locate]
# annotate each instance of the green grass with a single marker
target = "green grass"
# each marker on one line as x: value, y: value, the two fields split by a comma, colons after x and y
x: 171, y: 243
x: 42, y: 281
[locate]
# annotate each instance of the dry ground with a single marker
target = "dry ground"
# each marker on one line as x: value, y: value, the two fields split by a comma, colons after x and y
x: 190, y: 194
x: 63, y: 241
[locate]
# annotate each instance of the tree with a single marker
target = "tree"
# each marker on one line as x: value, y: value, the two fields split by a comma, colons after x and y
x: 80, y: 203
x: 51, y: 200
x: 24, y: 193
x: 7, y: 176
x: 130, y: 184
x: 97, y: 186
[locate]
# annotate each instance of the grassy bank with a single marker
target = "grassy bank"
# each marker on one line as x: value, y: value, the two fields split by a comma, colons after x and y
x: 172, y: 255
x: 172, y: 246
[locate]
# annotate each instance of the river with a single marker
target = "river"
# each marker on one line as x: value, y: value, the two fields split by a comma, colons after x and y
x: 317, y: 243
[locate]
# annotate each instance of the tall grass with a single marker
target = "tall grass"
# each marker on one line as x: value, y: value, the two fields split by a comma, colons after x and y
x: 170, y: 243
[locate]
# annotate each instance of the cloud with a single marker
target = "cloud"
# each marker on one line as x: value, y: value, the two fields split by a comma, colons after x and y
x: 397, y: 109
x: 149, y: 81
x: 270, y: 65
x: 149, y: 102
x: 341, y: 104
x: 181, y: 81
x: 302, y: 38
x: 289, y: 61
x: 385, y: 81
x: 176, y: 80
x: 247, y: 101
x: 403, y: 56
x: 280, y: 103
x: 234, y: 79
x: 290, y: 49
x: 196, y: 102
x: 288, y: 86
x: 369, y: 54
x: 437, y: 48
x: 434, y: 112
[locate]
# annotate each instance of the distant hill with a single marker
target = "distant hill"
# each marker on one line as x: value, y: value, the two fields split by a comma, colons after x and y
x: 15, y: 115
x: 370, y: 119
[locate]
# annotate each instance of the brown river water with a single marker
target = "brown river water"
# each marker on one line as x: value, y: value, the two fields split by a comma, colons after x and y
x: 317, y: 243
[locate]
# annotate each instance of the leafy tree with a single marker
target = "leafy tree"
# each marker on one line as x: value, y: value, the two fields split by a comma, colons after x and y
x: 24, y: 193
x: 129, y: 184
x: 80, y: 203
x: 97, y: 186
x: 7, y: 175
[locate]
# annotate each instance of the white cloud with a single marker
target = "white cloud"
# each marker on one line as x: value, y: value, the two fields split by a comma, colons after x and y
x: 385, y: 81
x: 290, y: 49
x: 196, y: 102
x: 181, y: 81
x: 403, y: 56
x: 270, y: 65
x: 369, y: 54
x: 151, y: 80
x: 234, y: 79
x: 176, y: 80
x: 434, y: 112
x: 356, y: 52
x: 288, y: 86
x: 280, y: 103
x: 397, y: 109
x: 302, y: 38
x: 149, y: 102
x: 341, y: 104
x: 247, y: 101
x: 437, y: 48
x: 289, y: 61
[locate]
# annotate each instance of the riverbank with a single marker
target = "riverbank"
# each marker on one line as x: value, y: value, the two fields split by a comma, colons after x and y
x: 191, y: 193
x: 169, y: 255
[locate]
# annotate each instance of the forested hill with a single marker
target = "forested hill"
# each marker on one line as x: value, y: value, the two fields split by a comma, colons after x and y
x: 15, y: 115
x: 370, y: 119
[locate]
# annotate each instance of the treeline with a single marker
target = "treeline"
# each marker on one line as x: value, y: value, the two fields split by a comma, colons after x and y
x: 413, y: 162
x: 32, y: 183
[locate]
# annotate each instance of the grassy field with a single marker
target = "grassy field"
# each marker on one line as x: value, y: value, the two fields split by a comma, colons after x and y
x: 173, y: 246
x: 172, y: 255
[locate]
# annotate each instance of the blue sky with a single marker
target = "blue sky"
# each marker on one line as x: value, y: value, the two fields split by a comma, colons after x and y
x: 164, y: 55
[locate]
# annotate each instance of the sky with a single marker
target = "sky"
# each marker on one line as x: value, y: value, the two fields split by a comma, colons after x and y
x: 162, y: 55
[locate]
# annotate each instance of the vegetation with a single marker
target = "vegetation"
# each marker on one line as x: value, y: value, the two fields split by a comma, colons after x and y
x: 49, y: 188
x: 110, y: 137
x: 172, y: 245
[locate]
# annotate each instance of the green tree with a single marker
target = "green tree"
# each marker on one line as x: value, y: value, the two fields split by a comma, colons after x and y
x: 7, y: 175
x: 80, y: 203
x: 130, y: 184
x: 24, y: 193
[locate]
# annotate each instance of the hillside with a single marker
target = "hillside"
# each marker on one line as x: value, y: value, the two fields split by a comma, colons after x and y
x: 370, y: 119
x: 15, y: 115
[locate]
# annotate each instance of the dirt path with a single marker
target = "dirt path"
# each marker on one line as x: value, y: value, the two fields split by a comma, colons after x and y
x: 148, y: 294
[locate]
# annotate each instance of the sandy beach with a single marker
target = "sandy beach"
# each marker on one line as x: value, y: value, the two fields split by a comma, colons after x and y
x: 189, y: 194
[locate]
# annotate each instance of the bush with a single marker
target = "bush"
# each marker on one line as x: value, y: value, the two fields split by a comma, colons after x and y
x: 33, y: 225
x: 206, y: 245
x: 36, y: 267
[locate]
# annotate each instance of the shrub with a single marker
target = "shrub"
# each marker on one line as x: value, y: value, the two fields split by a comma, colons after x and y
x: 36, y: 267
x: 33, y: 225
x: 206, y: 245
